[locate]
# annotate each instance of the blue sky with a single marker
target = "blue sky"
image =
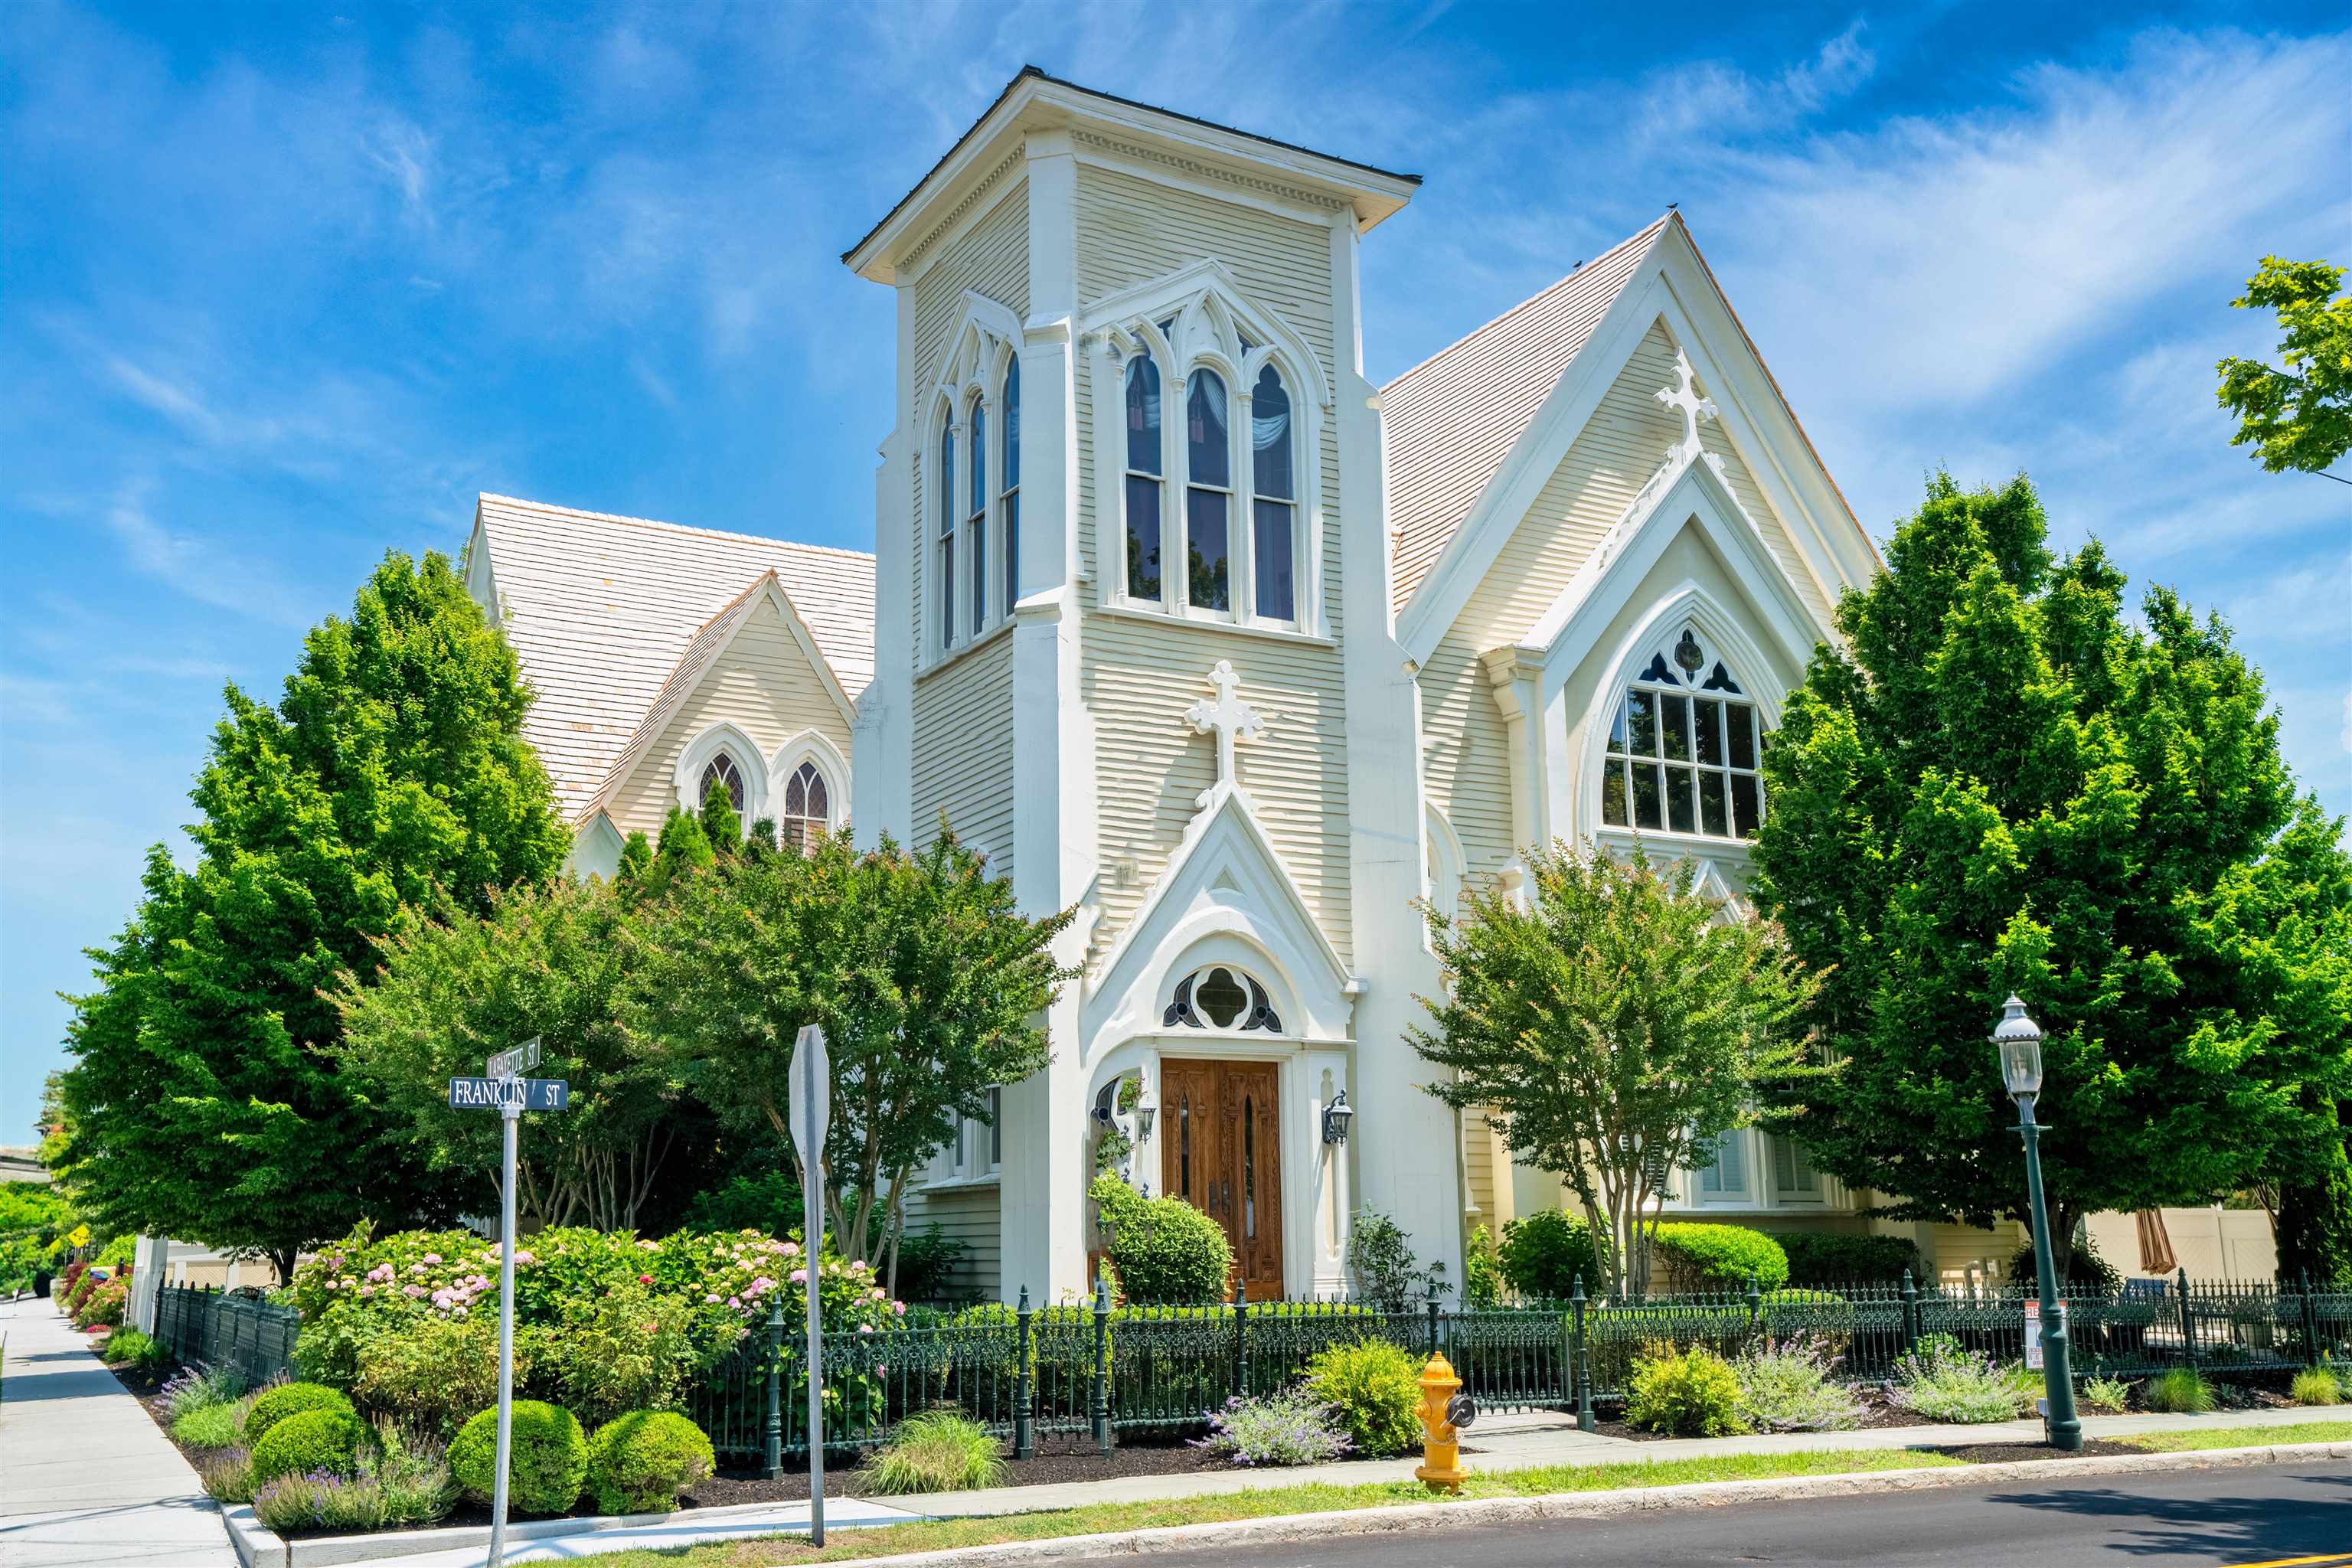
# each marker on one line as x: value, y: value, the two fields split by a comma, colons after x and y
x: 284, y: 289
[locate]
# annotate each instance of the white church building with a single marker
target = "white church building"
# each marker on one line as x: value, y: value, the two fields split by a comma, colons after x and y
x: 1186, y: 624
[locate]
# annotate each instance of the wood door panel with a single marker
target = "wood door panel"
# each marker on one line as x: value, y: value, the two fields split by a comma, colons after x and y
x: 1221, y: 1150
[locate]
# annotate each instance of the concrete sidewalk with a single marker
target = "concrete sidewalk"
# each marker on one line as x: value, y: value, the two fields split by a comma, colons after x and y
x: 85, y: 1476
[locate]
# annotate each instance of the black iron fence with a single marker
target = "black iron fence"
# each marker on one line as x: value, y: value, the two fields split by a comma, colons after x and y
x: 1093, y: 1369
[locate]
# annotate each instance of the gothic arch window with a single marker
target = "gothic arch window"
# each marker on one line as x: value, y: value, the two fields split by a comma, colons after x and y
x: 1208, y: 493
x: 722, y: 769
x: 1224, y: 1000
x: 1274, y: 499
x: 1009, y: 505
x: 947, y: 542
x: 1144, y: 462
x: 1685, y: 747
x: 807, y: 808
x: 975, y: 501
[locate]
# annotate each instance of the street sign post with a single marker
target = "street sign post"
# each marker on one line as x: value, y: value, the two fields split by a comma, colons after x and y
x: 809, y: 1083
x: 501, y: 1090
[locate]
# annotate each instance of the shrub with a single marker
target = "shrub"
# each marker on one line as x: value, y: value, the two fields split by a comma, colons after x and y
x: 548, y: 1457
x: 2081, y: 1268
x: 102, y: 1304
x: 81, y: 1281
x: 210, y: 1426
x: 310, y: 1440
x: 1381, y: 1262
x: 638, y: 1462
x: 289, y: 1399
x: 2315, y: 1385
x: 624, y: 1350
x: 1719, y: 1257
x: 135, y: 1347
x: 430, y: 1371
x: 328, y: 1502
x: 1546, y: 1253
x: 1817, y: 1258
x: 227, y: 1476
x: 2107, y: 1395
x: 1291, y: 1428
x: 1373, y: 1389
x: 1944, y: 1382
x: 926, y: 1263
x: 1482, y: 1275
x: 1786, y: 1388
x: 413, y: 1475
x: 1166, y: 1251
x: 937, y: 1451
x: 200, y: 1387
x: 1692, y: 1394
x: 2179, y: 1391
x: 768, y: 1202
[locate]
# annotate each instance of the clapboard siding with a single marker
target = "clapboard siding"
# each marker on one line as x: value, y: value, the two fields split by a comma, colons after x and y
x: 974, y: 1216
x: 763, y: 682
x: 963, y: 752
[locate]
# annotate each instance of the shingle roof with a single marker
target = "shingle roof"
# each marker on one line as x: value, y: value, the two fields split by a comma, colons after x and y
x: 604, y: 611
x: 1452, y: 419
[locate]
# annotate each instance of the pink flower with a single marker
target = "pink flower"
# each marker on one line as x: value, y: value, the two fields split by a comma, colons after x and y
x: 522, y: 1257
x: 857, y: 1267
x: 878, y: 1294
x: 712, y: 1299
x: 899, y: 1308
x: 653, y: 1328
x: 800, y: 1276
x: 432, y: 1258
x: 367, y: 1290
x: 791, y: 1250
x: 412, y: 1291
x: 865, y: 1328
x: 645, y: 1279
x: 647, y: 1247
x: 736, y: 1302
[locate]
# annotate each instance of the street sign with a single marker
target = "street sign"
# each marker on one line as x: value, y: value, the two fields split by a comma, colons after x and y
x: 2033, y: 1335
x: 809, y: 1084
x: 495, y: 1093
x: 520, y: 1059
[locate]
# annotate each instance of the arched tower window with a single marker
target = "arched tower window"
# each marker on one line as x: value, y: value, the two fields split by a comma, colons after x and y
x: 1274, y: 499
x: 1144, y: 461
x: 1685, y: 747
x: 975, y: 528
x: 807, y: 808
x: 1208, y: 492
x: 1011, y: 468
x: 947, y: 550
x: 721, y: 769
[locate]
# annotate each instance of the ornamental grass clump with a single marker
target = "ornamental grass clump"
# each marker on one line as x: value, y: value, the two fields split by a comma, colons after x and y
x: 2180, y: 1391
x: 2315, y: 1385
x: 1788, y: 1388
x: 1292, y: 1427
x: 1943, y: 1381
x: 226, y: 1476
x: 1372, y: 1388
x: 320, y: 1501
x: 2107, y: 1395
x: 1693, y: 1393
x: 937, y: 1451
x: 210, y: 1426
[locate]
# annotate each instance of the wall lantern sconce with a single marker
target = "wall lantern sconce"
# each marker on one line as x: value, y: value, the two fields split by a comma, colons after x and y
x: 1336, y: 1117
x: 1146, y: 1114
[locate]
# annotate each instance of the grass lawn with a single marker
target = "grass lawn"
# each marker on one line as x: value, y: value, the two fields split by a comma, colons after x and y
x: 2241, y: 1437
x: 848, y: 1545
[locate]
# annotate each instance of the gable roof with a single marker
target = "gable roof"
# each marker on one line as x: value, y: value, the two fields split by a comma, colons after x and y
x: 1452, y: 419
x: 604, y: 612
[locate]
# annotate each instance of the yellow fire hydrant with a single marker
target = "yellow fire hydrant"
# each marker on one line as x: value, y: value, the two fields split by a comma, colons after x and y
x: 1441, y: 1453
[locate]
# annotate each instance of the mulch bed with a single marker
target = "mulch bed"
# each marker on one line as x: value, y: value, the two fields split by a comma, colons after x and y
x: 1058, y: 1459
x: 2003, y: 1453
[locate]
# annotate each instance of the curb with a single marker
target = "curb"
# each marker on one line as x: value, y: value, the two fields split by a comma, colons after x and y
x: 1486, y: 1512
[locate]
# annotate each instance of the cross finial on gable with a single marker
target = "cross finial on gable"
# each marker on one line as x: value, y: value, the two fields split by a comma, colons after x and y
x: 1229, y: 716
x: 1684, y: 398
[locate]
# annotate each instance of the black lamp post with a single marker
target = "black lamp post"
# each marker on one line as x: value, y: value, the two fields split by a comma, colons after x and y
x: 2018, y: 1038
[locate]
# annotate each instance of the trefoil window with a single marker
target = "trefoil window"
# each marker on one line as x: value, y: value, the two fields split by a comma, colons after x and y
x: 1221, y: 998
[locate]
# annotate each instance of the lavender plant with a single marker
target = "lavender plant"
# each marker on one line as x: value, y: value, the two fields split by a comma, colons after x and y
x: 1788, y: 1388
x: 1291, y: 1428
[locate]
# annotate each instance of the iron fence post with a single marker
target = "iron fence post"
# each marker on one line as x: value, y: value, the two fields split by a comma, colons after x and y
x: 2310, y: 1322
x: 1025, y: 1388
x: 2188, y: 1321
x: 1241, y: 1342
x: 1910, y: 1315
x: 1099, y: 1395
x: 1755, y: 1307
x: 771, y: 1464
x: 1582, y: 1368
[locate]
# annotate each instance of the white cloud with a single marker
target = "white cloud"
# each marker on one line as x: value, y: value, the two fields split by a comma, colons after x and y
x: 201, y: 564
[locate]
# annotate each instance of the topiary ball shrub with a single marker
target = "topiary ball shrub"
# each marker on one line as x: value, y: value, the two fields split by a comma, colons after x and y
x: 289, y: 1399
x: 548, y: 1461
x: 1167, y: 1252
x: 307, y: 1442
x: 1373, y: 1389
x: 1692, y: 1394
x: 1693, y: 1256
x: 1544, y: 1255
x: 638, y: 1462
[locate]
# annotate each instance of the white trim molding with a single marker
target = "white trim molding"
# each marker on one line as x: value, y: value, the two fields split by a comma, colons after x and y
x: 725, y: 735
x: 813, y: 746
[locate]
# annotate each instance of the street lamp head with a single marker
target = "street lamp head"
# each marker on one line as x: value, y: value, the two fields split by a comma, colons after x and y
x: 2018, y: 1038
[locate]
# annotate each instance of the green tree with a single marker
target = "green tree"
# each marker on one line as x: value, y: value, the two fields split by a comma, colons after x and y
x: 926, y: 979
x: 203, y: 1098
x: 554, y: 961
x: 1614, y: 1027
x: 2000, y: 784
x: 2299, y: 417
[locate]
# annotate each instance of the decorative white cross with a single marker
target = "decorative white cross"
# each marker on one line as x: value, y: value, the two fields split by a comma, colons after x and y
x: 1684, y: 398
x: 1229, y: 716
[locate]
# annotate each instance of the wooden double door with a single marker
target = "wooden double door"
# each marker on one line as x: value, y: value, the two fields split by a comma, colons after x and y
x: 1221, y: 1150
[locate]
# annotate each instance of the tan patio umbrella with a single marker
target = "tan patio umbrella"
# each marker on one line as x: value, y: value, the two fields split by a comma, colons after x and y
x: 2155, y: 1244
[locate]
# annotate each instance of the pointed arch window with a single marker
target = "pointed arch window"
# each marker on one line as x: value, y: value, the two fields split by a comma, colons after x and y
x: 947, y: 545
x: 1208, y: 493
x: 1686, y: 746
x: 807, y: 808
x: 721, y: 769
x: 1010, y: 466
x: 1144, y: 462
x: 975, y: 528
x: 1274, y: 497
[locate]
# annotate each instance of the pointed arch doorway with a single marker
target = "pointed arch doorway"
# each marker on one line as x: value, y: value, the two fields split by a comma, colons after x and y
x: 1221, y: 1150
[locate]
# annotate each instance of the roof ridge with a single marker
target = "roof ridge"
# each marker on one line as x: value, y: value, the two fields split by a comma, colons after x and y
x: 481, y: 496
x: 1531, y: 300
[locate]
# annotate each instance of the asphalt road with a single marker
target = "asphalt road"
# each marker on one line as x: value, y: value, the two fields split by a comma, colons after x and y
x: 2224, y: 1519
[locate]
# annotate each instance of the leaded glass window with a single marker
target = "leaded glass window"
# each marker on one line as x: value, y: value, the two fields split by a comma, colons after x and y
x: 1223, y: 998
x: 975, y: 527
x: 1208, y: 492
x: 1010, y: 503
x: 1685, y: 745
x: 807, y: 807
x: 721, y: 770
x: 1144, y: 461
x: 947, y: 545
x: 1273, y: 499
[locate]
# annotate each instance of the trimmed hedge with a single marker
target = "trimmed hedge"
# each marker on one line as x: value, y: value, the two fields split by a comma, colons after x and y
x: 1546, y: 1253
x: 638, y: 1462
x: 289, y: 1399
x: 1817, y: 1258
x: 1166, y: 1252
x: 309, y: 1440
x: 547, y: 1459
x: 1718, y: 1257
